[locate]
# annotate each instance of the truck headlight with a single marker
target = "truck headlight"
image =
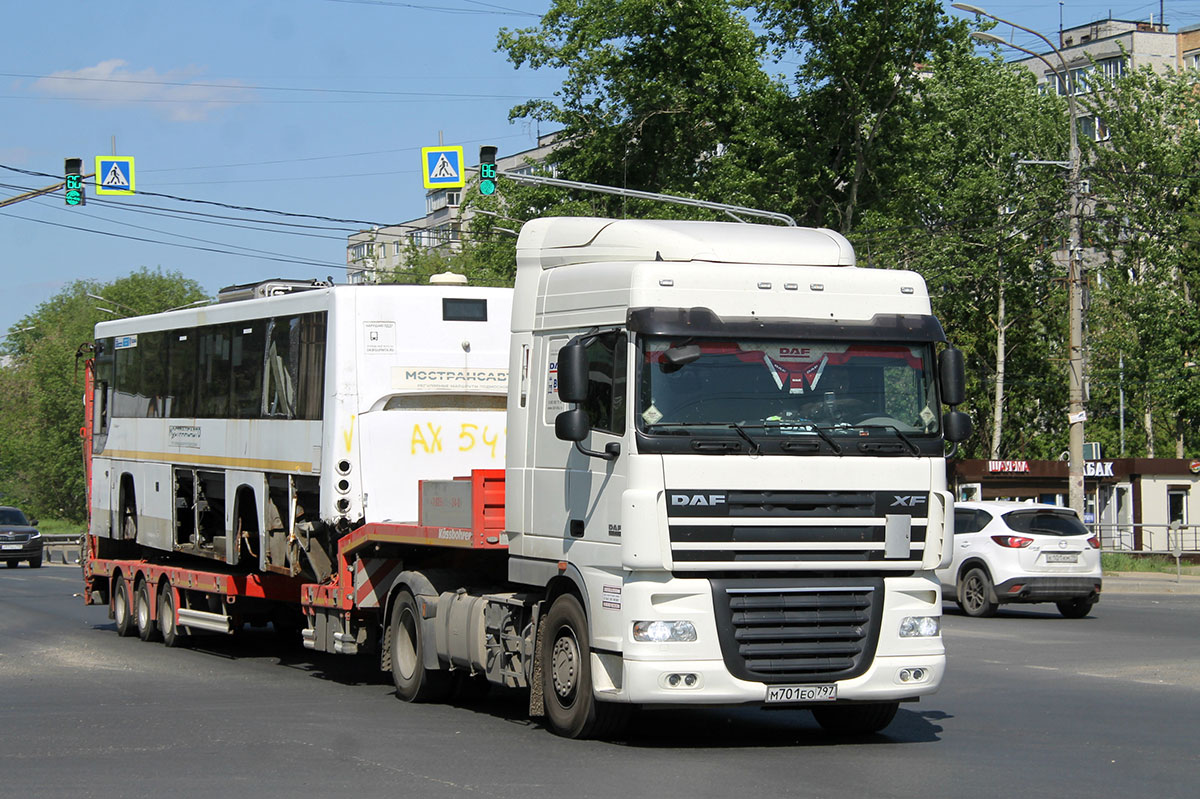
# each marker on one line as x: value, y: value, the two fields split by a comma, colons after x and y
x: 663, y: 631
x: 920, y: 626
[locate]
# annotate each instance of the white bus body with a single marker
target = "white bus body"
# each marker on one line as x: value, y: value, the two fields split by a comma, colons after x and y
x: 222, y: 431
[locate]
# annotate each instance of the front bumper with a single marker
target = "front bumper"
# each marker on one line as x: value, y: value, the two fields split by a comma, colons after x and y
x: 646, y: 683
x: 23, y: 551
x: 1047, y: 589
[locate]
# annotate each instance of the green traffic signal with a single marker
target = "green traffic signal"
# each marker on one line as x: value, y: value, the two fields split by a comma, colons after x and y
x: 487, y: 170
x: 73, y: 181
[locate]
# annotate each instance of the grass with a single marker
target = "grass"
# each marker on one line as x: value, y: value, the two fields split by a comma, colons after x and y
x: 1128, y: 562
x: 60, y: 527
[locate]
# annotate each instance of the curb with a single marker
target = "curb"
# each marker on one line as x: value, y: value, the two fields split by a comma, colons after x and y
x: 1150, y: 583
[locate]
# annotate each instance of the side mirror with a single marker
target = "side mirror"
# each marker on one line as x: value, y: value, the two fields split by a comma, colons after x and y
x: 956, y: 426
x: 952, y: 376
x: 572, y: 374
x: 33, y: 522
x: 571, y: 425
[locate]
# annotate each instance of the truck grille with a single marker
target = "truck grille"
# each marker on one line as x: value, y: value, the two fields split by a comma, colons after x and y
x: 798, y: 630
x: 716, y: 530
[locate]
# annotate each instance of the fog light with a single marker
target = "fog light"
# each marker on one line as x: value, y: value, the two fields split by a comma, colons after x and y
x: 917, y: 674
x: 689, y: 680
x: 673, y: 680
x: 663, y: 631
x: 920, y: 626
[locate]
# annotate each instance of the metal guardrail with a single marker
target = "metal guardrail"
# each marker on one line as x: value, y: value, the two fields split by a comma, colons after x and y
x: 65, y: 547
x: 1157, y: 539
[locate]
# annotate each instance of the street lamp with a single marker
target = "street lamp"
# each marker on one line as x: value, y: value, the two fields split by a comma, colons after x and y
x: 1076, y: 415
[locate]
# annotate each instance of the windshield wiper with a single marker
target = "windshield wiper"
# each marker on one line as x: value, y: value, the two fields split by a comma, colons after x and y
x: 755, y: 449
x: 912, y: 447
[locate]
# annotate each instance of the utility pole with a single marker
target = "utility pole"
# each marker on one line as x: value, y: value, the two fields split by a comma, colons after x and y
x: 1076, y: 414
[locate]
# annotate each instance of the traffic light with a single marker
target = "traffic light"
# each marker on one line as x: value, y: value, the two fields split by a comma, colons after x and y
x: 73, y: 172
x: 487, y: 169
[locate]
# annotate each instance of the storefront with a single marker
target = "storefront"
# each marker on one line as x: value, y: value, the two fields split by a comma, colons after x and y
x: 1141, y: 504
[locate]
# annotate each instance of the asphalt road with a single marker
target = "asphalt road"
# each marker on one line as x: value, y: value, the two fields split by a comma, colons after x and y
x: 1034, y: 704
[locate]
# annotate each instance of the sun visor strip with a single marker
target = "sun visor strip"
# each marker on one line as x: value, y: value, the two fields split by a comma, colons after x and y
x: 703, y: 322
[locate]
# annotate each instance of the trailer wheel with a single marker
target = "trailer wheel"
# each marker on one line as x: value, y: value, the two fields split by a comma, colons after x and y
x: 571, y: 707
x: 414, y: 682
x: 172, y: 636
x: 146, y: 628
x: 121, y: 614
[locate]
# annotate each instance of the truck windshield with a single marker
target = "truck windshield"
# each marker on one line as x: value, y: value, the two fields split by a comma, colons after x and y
x: 784, y: 389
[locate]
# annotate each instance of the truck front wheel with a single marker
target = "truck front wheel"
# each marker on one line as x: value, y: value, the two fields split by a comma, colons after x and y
x: 571, y: 707
x: 414, y: 682
x: 856, y: 719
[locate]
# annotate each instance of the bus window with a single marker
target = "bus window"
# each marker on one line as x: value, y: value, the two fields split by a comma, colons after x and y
x: 152, y: 355
x: 181, y: 373
x: 311, y: 399
x: 213, y: 374
x: 249, y: 340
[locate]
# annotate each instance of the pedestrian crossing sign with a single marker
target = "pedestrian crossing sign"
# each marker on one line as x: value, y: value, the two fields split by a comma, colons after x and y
x: 114, y: 174
x: 442, y: 167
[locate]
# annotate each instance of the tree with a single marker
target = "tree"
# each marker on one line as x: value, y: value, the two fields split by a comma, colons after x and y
x: 976, y: 224
x: 41, y: 391
x: 857, y: 88
x: 657, y: 96
x: 1145, y: 321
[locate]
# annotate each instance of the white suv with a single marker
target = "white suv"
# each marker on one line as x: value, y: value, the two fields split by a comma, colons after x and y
x: 1020, y: 552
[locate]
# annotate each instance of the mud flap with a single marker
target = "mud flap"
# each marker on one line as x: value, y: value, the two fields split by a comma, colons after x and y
x: 537, y: 704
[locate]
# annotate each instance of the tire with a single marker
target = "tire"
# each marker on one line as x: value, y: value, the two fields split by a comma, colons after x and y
x: 147, y: 628
x: 35, y: 563
x: 571, y: 707
x: 172, y: 636
x: 121, y: 611
x: 414, y: 682
x: 856, y: 719
x: 1076, y: 608
x: 975, y: 594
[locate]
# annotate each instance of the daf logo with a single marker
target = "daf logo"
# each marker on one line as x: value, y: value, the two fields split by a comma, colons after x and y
x: 911, y: 501
x: 702, y: 500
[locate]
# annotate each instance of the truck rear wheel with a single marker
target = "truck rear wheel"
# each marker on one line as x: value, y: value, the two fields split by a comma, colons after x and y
x: 146, y: 628
x: 571, y: 707
x: 171, y: 634
x: 414, y: 682
x: 121, y: 614
x: 856, y: 719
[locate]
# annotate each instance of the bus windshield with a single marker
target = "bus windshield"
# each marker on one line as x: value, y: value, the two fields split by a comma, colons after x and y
x: 785, y: 387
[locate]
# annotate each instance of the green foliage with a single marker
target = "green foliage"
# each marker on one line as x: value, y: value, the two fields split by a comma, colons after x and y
x: 976, y: 225
x: 654, y: 93
x: 41, y: 390
x: 1146, y: 290
x: 857, y: 93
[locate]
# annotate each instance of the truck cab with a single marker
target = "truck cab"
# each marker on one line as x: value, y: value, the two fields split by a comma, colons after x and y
x: 727, y: 442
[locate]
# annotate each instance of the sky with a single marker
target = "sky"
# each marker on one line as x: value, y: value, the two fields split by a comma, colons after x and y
x: 315, y: 109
